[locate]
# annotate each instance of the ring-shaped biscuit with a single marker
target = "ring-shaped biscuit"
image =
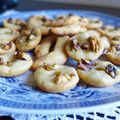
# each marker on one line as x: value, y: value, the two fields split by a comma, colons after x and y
x: 102, y: 74
x: 56, y: 56
x: 85, y: 45
x: 10, y: 62
x: 28, y: 39
x: 56, y: 78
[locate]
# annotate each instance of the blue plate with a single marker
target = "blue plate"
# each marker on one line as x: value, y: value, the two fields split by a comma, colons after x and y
x: 19, y: 95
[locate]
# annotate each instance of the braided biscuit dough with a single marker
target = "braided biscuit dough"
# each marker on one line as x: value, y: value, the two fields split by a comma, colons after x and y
x: 103, y: 74
x: 85, y: 45
x: 28, y: 39
x: 56, y: 78
x: 7, y: 35
x: 15, y: 24
x: 10, y: 62
x: 57, y: 56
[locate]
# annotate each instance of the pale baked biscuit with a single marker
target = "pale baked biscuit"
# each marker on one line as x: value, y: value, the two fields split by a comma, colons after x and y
x: 7, y: 35
x: 64, y: 20
x: 15, y: 24
x: 102, y: 74
x: 85, y: 45
x: 94, y: 23
x: 28, y: 39
x: 56, y: 78
x: 68, y: 29
x: 14, y: 64
x: 39, y: 22
x: 45, y: 45
x: 114, y: 54
x: 5, y: 48
x: 57, y: 56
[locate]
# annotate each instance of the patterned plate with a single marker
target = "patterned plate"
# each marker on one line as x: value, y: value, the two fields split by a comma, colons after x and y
x: 19, y: 95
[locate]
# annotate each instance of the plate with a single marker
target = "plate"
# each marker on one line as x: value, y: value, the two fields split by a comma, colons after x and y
x: 19, y: 95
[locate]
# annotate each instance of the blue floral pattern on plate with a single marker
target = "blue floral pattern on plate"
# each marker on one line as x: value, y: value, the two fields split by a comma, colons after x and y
x: 20, y: 95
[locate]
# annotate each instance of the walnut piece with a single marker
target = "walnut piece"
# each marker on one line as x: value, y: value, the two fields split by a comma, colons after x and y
x: 32, y: 37
x: 19, y: 55
x: 6, y: 46
x: 51, y: 67
x: 61, y: 77
x: 94, y: 44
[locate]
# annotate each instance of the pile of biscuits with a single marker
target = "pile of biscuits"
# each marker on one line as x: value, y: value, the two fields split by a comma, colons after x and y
x: 52, y: 42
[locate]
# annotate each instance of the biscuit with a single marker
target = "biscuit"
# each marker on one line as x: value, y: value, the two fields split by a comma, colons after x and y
x: 67, y: 29
x: 102, y: 74
x: 56, y: 78
x: 10, y: 62
x: 85, y: 45
x: 57, y: 56
x: 28, y: 39
x: 15, y: 24
x: 7, y: 35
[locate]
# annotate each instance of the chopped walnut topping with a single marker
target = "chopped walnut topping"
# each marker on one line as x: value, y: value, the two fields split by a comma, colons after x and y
x: 7, y: 46
x: 111, y: 70
x: 32, y: 37
x: 72, y: 75
x: 85, y: 64
x: 19, y: 55
x: 51, y: 67
x: 26, y: 31
x: 93, y: 43
x: 1, y: 61
x: 61, y: 77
